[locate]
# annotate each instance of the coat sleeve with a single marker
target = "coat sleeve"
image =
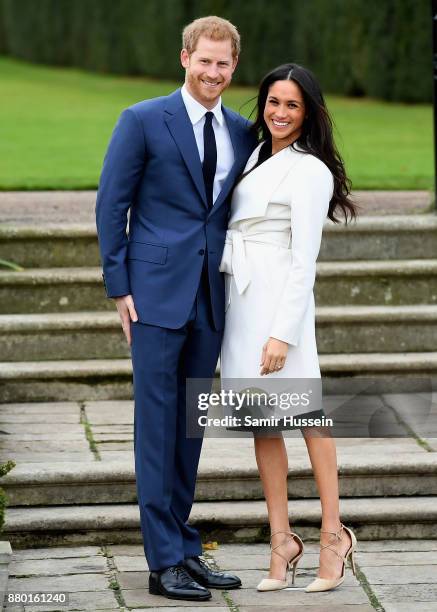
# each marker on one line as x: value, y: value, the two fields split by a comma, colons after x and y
x: 311, y: 191
x: 122, y: 169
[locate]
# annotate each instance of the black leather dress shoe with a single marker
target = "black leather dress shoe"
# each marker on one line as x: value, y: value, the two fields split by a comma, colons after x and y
x: 207, y: 577
x: 176, y: 583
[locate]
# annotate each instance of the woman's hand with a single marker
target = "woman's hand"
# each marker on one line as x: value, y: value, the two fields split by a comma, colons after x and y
x: 273, y: 356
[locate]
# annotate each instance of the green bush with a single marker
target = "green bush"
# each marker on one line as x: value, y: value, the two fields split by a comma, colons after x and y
x: 4, y: 469
x: 356, y: 47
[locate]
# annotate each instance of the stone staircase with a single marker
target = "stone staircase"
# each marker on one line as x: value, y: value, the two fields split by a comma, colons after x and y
x: 64, y: 362
x: 376, y: 292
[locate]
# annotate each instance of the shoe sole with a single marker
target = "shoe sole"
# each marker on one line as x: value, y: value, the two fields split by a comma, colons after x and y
x: 158, y: 592
x: 223, y: 588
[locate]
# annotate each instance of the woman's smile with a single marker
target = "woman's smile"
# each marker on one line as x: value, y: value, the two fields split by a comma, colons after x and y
x: 284, y: 113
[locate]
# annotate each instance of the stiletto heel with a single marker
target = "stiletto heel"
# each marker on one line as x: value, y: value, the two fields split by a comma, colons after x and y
x: 294, y: 571
x: 353, y: 562
x: 326, y: 584
x: 273, y: 584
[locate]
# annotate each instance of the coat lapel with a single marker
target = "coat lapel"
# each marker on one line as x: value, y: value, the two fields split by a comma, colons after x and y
x: 181, y: 129
x: 263, y: 181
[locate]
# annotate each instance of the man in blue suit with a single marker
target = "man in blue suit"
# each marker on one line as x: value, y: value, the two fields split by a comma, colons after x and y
x: 172, y: 162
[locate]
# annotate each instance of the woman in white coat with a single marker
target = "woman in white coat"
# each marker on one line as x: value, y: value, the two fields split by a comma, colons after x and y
x: 294, y: 179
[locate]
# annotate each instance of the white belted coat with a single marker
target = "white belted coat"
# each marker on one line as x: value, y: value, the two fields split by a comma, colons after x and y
x: 269, y: 260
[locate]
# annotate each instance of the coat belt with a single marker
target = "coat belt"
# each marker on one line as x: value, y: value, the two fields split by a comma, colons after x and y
x: 234, y: 259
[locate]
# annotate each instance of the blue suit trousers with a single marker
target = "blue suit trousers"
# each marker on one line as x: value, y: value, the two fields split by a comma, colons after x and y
x: 166, y: 461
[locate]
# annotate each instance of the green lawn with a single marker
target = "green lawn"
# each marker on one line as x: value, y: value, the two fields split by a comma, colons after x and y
x: 55, y: 125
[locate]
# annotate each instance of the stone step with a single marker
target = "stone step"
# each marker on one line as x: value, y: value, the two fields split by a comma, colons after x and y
x: 75, y: 244
x: 222, y: 521
x: 52, y: 290
x: 100, y: 379
x: 391, y: 283
x: 98, y: 335
x: 376, y: 329
x: 106, y: 482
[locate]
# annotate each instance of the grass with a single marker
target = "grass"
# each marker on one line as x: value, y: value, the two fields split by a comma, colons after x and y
x: 55, y: 124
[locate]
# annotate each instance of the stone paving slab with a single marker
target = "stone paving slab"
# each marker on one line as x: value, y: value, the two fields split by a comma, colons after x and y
x: 344, y: 596
x: 130, y: 563
x: 112, y: 436
x: 79, y: 601
x: 72, y: 583
x: 110, y: 412
x: 404, y: 575
x: 411, y: 593
x: 396, y: 586
x: 58, y: 552
x: 399, y: 546
x: 8, y: 417
x: 43, y: 457
x: 122, y: 455
x: 111, y: 429
x: 41, y: 408
x: 103, y: 447
x: 406, y: 607
x: 53, y: 428
x: 413, y: 559
x: 54, y: 567
x: 310, y: 608
x: 35, y: 446
x: 41, y: 436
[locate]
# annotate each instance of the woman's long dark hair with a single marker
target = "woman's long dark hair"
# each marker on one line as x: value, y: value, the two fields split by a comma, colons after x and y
x: 316, y: 137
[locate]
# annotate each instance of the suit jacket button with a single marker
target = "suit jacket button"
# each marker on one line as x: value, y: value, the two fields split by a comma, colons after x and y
x: 202, y: 252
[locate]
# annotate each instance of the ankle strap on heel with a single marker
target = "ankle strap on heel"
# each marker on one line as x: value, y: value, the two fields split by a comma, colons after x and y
x: 293, y: 535
x: 277, y: 532
x: 337, y: 535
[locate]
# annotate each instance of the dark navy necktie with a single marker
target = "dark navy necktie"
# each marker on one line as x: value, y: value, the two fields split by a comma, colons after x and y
x: 209, y: 158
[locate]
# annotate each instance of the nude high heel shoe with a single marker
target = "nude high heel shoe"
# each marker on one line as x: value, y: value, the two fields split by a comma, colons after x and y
x: 325, y: 584
x: 272, y: 584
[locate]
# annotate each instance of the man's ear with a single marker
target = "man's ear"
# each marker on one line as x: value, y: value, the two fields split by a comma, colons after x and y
x: 235, y: 62
x: 185, y: 58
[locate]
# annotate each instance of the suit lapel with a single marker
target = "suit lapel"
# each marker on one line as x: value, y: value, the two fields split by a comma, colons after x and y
x: 181, y: 129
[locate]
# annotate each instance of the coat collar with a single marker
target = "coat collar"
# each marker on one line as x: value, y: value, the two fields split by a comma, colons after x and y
x: 263, y: 181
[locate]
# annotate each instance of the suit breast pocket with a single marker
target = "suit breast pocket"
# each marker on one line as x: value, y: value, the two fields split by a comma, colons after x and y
x: 145, y: 251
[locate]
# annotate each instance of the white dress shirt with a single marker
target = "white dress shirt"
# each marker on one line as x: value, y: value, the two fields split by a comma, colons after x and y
x: 225, y: 152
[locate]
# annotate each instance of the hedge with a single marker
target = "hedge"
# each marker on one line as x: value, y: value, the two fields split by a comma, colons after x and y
x: 356, y: 47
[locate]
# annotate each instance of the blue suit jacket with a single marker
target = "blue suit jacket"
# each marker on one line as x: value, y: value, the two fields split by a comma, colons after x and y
x: 152, y: 167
